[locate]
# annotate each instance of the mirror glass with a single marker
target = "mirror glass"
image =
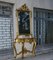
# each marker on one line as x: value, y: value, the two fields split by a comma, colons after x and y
x: 24, y: 22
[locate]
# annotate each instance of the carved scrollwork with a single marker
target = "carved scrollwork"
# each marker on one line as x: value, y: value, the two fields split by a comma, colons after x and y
x: 25, y: 41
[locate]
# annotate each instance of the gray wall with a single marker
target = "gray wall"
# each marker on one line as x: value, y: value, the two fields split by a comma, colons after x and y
x: 47, y: 4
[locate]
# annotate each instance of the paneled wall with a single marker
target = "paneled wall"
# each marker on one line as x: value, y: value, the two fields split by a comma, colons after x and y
x: 6, y: 25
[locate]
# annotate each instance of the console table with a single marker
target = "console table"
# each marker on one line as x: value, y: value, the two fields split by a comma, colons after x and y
x: 27, y: 46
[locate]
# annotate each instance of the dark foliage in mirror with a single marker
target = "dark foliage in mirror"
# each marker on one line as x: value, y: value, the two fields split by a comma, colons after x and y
x: 24, y: 22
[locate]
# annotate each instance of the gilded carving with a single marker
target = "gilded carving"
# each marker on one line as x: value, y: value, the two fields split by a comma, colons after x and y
x: 24, y: 38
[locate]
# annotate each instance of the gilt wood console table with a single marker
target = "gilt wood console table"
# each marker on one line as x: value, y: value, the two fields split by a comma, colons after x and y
x: 27, y: 46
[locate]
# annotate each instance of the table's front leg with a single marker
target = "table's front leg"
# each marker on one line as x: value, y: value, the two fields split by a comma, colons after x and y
x: 22, y: 49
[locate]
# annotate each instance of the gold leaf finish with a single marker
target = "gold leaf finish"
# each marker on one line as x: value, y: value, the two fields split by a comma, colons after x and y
x: 24, y: 49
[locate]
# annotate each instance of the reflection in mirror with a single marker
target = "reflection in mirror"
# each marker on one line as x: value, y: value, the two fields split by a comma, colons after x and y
x: 24, y: 22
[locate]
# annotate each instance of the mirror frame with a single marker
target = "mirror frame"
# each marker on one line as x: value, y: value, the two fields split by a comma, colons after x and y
x: 23, y: 8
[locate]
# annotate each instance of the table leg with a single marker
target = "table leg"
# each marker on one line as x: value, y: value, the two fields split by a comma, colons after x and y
x: 22, y: 50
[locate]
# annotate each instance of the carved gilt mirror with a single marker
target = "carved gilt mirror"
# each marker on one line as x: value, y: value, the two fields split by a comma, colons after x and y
x: 23, y: 20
